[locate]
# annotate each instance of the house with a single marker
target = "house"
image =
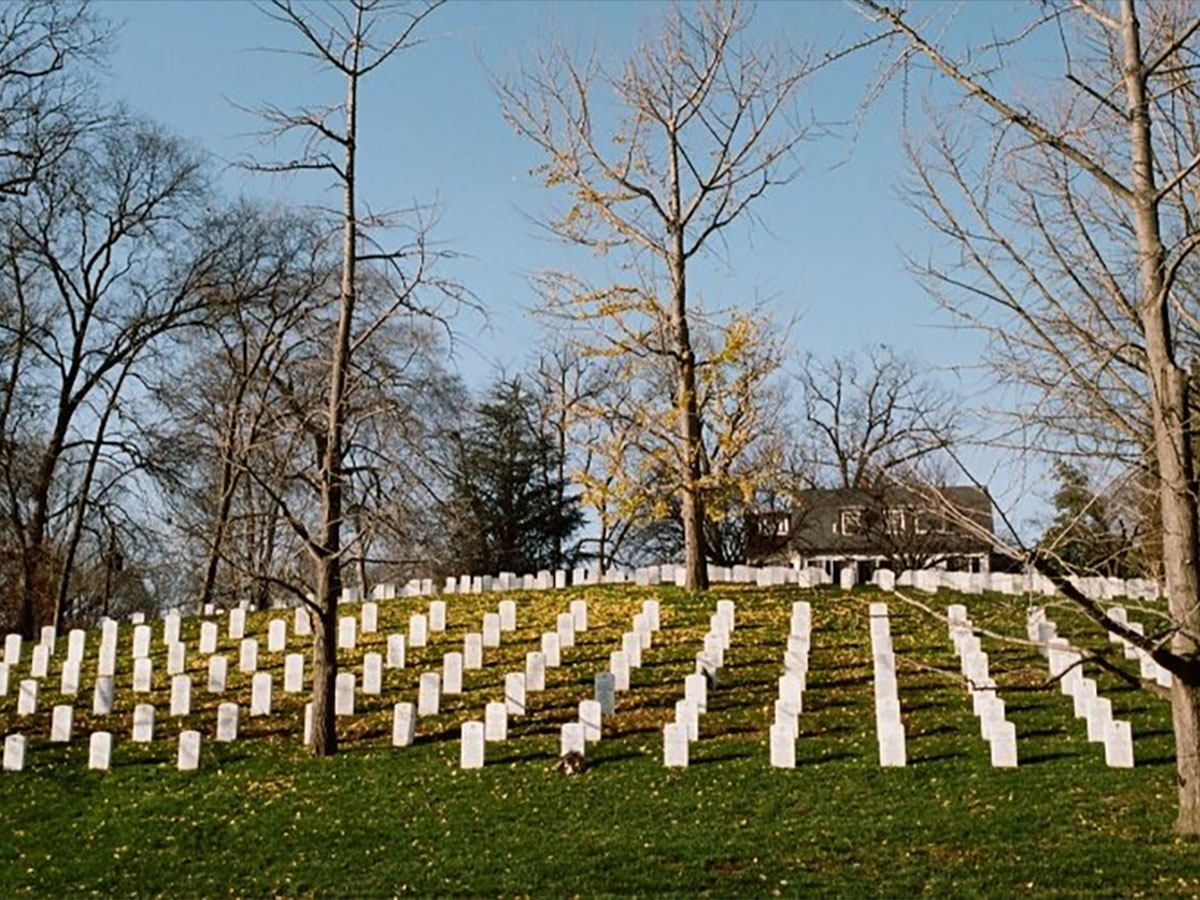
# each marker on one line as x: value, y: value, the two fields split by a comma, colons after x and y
x: 895, y: 527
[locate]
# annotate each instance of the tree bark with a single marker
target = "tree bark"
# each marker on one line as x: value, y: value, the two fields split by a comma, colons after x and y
x: 1173, y: 449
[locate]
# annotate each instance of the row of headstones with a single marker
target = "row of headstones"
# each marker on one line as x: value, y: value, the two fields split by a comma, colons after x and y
x: 1066, y: 664
x: 986, y: 704
x: 679, y: 734
x: 932, y: 580
x: 100, y: 751
x: 1148, y: 667
x: 785, y: 730
x: 889, y: 729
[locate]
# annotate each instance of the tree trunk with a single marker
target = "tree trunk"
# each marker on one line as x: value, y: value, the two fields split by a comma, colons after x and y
x: 1169, y: 415
x: 694, y: 561
x: 324, y: 722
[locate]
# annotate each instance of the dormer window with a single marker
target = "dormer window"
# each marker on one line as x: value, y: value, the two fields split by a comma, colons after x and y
x: 850, y: 520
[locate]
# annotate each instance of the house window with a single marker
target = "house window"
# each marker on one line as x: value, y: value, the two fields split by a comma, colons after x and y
x: 896, y: 519
x: 775, y: 526
x: 850, y: 520
x: 783, y: 526
x: 931, y: 523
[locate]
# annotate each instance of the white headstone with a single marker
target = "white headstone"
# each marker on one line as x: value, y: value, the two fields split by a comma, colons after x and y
x: 189, y: 751
x: 535, y: 671
x: 141, y: 641
x: 3, y: 679
x: 181, y: 695
x: 675, y: 745
x: 514, y: 693
x: 1118, y: 744
x: 687, y: 714
x: 495, y: 721
x: 395, y: 651
x: 227, y: 722
x: 618, y: 664
x: 695, y: 687
x: 606, y: 692
x: 302, y: 623
x: 591, y: 718
x: 565, y: 628
x: 60, y: 723
x: 437, y: 615
x: 579, y: 613
x: 783, y: 746
x: 308, y: 725
x: 573, y: 739
x: 260, y: 694
x: 369, y: 616
x: 1003, y: 743
x: 372, y: 674
x: 218, y: 669
x: 100, y: 750
x: 143, y: 670
x: 551, y: 642
x: 14, y: 753
x: 143, y: 723
x: 69, y: 683
x: 12, y: 649
x: 208, y: 638
x: 293, y: 673
x: 176, y: 658
x: 347, y: 632
x: 1099, y: 718
x: 473, y: 651
x: 171, y: 628
x: 343, y: 694
x: 102, y: 695
x: 472, y: 745
x: 429, y: 689
x: 452, y: 673
x: 491, y: 629
x: 276, y: 636
x: 106, y: 664
x: 237, y: 624
x: 508, y: 615
x: 631, y: 643
x: 248, y: 655
x: 404, y: 724
x: 48, y: 637
x: 418, y: 630
x: 39, y: 665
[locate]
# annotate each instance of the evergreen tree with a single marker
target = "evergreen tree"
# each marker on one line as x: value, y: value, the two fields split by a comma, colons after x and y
x: 509, y: 509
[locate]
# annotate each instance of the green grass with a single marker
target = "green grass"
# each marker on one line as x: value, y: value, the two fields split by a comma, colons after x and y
x: 261, y: 818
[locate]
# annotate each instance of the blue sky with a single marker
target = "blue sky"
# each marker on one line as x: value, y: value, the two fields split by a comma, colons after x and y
x: 830, y: 250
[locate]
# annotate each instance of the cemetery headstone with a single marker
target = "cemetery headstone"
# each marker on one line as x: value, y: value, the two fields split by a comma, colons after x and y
x: 227, y: 722
x: 404, y: 724
x: 491, y: 629
x: 395, y: 651
x: 429, y: 694
x: 208, y: 638
x: 181, y: 695
x: 452, y: 673
x: 591, y: 719
x: 293, y: 673
x: 14, y: 752
x: 276, y: 636
x: 551, y: 644
x: 472, y: 745
x: 495, y: 721
x: 102, y: 695
x: 675, y: 745
x: 260, y: 694
x: 143, y: 723
x: 347, y: 632
x: 508, y: 615
x: 248, y: 656
x: 514, y: 693
x: 369, y: 616
x: 60, y: 724
x: 573, y: 739
x: 418, y: 630
x: 343, y: 694
x: 372, y: 674
x: 606, y: 692
x: 218, y: 669
x: 100, y: 750
x: 189, y: 751
x: 535, y: 671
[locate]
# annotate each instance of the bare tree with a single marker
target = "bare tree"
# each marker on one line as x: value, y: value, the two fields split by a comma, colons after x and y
x: 702, y: 128
x: 352, y: 41
x: 1072, y: 218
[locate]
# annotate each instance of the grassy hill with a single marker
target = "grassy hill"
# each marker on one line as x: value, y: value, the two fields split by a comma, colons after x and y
x: 261, y: 818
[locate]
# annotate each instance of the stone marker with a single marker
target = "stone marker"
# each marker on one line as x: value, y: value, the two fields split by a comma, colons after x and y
x: 508, y: 615
x: 652, y: 611
x: 14, y: 753
x: 473, y: 651
x: 695, y: 687
x: 227, y: 722
x: 347, y: 632
x: 675, y: 745
x: 687, y: 714
x: 302, y: 623
x: 437, y: 615
x: 1099, y: 717
x: 189, y: 751
x: 452, y: 673
x: 495, y: 721
x: 618, y: 664
x: 248, y: 656
x: 783, y: 746
x: 551, y: 652
x: 3, y: 679
x: 12, y: 649
x: 308, y: 724
x: 395, y: 651
x: 535, y: 671
x: 143, y: 723
x: 591, y: 718
x: 141, y: 641
x: 237, y: 624
x: 69, y: 682
x: 48, y: 637
x: 60, y: 724
x: 368, y: 615
x: 277, y: 636
x: 293, y: 673
x: 181, y: 695
x: 100, y: 750
x: 564, y: 626
x: 102, y: 695
x: 579, y: 614
x: 404, y: 725
x: 171, y: 628
x: 472, y: 745
x: 218, y: 669
x: 343, y: 700
x: 1118, y: 745
x: 1003, y: 743
x: 208, y: 638
x: 106, y: 664
x: 429, y: 694
x: 631, y: 643
x: 39, y: 665
x: 606, y: 692
x: 372, y: 674
x: 27, y: 697
x: 491, y: 629
x: 418, y: 630
x: 260, y: 694
x: 514, y: 693
x: 891, y: 744
x: 176, y: 658
x: 573, y: 739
